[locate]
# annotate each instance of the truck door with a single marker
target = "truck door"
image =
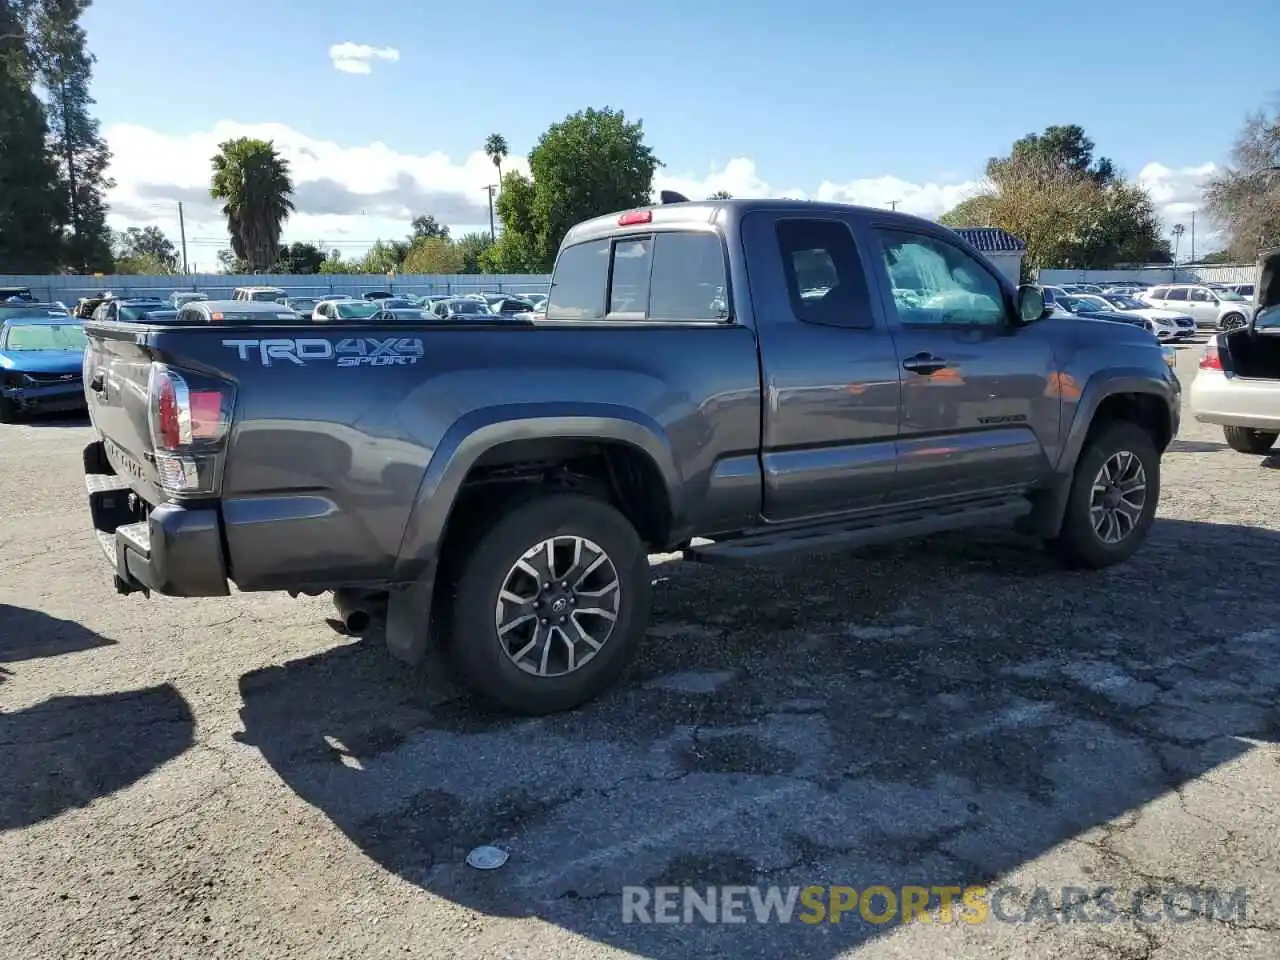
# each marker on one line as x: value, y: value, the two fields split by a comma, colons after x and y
x: 980, y: 404
x: 829, y: 370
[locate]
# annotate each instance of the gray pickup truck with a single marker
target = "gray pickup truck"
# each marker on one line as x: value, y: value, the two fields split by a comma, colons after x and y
x: 772, y: 376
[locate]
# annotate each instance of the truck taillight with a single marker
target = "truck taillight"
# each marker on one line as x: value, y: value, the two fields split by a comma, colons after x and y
x: 189, y: 416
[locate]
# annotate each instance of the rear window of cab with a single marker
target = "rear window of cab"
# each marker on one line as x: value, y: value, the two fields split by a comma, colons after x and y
x: 663, y: 276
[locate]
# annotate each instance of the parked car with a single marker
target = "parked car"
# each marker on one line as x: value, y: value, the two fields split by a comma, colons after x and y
x: 231, y: 312
x: 339, y: 310
x: 180, y: 297
x: 1238, y: 384
x: 461, y: 307
x: 376, y: 295
x: 1214, y: 308
x: 303, y: 306
x: 133, y: 309
x: 1094, y: 308
x: 736, y: 370
x: 40, y: 364
x: 13, y: 309
x: 507, y: 306
x: 1245, y: 290
x: 259, y: 294
x: 1167, y: 325
x: 16, y: 293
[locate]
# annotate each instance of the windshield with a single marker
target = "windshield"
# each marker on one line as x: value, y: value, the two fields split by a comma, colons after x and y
x: 1095, y: 303
x: 1227, y: 295
x: 12, y: 311
x: 45, y: 336
x: 302, y: 303
x: 357, y: 311
x: 1127, y: 303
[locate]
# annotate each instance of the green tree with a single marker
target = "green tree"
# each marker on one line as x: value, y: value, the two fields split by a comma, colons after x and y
x: 142, y: 264
x: 434, y: 255
x: 301, y: 258
x: 382, y: 257
x: 32, y: 205
x: 1244, y: 200
x: 591, y: 163
x: 974, y: 212
x: 252, y: 180
x: 495, y: 147
x: 1071, y: 210
x: 65, y: 68
x: 335, y: 264
x: 1063, y: 148
x: 230, y: 263
x: 475, y: 249
x: 721, y: 195
x: 146, y: 243
x: 426, y: 228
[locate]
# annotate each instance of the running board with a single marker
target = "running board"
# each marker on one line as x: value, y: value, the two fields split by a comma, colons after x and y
x: 846, y: 534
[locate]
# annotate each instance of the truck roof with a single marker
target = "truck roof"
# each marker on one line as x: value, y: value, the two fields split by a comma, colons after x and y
x: 697, y: 214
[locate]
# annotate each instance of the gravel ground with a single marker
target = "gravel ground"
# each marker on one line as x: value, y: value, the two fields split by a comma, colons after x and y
x: 229, y: 778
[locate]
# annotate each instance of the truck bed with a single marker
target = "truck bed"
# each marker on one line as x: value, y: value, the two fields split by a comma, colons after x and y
x: 339, y: 431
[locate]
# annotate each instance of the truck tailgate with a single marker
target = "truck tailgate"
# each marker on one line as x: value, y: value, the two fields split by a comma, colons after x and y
x: 117, y: 370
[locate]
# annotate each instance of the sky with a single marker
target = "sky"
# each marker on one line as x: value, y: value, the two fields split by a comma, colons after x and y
x: 382, y: 109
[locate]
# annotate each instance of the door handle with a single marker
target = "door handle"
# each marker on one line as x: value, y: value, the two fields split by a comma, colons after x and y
x: 924, y: 363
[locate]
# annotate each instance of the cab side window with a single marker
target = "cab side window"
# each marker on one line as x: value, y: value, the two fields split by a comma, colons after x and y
x: 1177, y: 293
x: 937, y: 284
x: 1200, y: 295
x: 826, y: 282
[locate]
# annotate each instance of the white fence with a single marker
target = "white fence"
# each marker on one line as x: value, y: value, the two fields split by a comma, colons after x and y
x: 219, y: 286
x: 1188, y: 273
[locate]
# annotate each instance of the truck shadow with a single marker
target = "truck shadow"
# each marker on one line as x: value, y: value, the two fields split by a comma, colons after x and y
x: 29, y: 634
x: 928, y: 714
x: 69, y: 751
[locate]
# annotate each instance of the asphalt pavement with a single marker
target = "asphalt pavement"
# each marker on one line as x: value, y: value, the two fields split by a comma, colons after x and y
x: 230, y: 778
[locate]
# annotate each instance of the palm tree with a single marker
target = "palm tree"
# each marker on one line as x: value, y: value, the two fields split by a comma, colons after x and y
x: 495, y: 145
x: 255, y: 188
x: 721, y: 195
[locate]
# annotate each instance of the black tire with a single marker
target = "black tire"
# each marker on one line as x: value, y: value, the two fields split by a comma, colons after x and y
x: 1232, y: 321
x: 8, y: 411
x: 471, y: 634
x: 1078, y: 543
x: 1247, y: 440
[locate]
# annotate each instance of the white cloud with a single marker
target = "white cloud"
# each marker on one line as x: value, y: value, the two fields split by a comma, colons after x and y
x: 358, y: 57
x: 348, y: 196
x: 1177, y: 193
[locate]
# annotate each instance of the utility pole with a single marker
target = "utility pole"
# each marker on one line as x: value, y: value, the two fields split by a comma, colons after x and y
x: 1193, y: 236
x: 893, y: 204
x: 182, y: 231
x: 493, y: 234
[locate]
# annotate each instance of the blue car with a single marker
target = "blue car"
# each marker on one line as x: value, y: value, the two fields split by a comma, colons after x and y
x: 41, y: 359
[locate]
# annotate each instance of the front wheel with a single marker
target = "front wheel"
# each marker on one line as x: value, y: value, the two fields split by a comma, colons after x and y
x: 1233, y: 321
x: 549, y: 604
x: 1113, y: 498
x: 1246, y: 440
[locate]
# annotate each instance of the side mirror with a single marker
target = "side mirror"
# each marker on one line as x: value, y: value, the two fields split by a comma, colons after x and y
x: 1031, y: 304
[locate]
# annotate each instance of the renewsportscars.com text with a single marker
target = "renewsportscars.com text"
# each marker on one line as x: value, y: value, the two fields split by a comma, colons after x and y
x: 935, y: 904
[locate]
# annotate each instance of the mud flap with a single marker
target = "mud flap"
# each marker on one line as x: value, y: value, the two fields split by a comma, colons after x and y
x: 408, y: 630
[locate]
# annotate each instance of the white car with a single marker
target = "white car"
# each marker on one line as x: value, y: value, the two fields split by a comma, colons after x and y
x: 1165, y: 324
x: 339, y: 309
x: 1238, y: 385
x: 1213, y: 307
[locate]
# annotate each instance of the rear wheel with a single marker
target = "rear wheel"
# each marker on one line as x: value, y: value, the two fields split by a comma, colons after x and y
x: 1113, y: 498
x: 1247, y: 440
x: 549, y: 604
x: 1232, y: 321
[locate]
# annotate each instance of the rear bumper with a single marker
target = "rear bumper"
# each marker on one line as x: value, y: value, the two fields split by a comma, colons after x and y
x: 171, y: 549
x: 1235, y: 401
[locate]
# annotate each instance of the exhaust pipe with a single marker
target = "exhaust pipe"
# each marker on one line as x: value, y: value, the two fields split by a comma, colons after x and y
x: 356, y: 610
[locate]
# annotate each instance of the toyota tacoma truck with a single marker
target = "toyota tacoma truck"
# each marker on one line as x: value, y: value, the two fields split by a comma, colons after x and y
x: 769, y: 376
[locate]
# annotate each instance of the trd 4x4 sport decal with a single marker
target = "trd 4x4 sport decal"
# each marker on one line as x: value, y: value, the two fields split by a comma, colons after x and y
x: 348, y: 352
